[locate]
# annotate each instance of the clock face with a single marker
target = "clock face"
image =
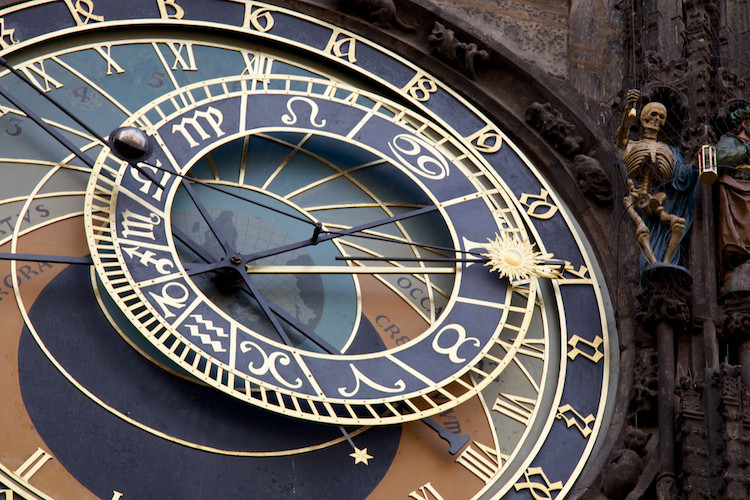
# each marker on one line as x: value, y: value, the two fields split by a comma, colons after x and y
x: 247, y: 253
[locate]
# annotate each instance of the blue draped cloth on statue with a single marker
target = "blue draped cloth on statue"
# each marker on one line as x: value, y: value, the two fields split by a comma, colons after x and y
x: 680, y: 191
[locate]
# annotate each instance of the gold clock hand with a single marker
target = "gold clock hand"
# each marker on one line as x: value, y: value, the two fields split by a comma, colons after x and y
x: 412, y: 259
x: 286, y: 269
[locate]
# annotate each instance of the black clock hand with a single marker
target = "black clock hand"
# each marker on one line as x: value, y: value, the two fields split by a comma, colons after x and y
x: 191, y: 245
x: 317, y: 236
x: 273, y: 313
x: 47, y: 128
x: 54, y: 133
x: 198, y: 269
x: 253, y: 292
x: 401, y: 241
x: 269, y: 311
x: 291, y: 321
x: 264, y: 305
x: 62, y: 140
x: 208, y: 185
x: 212, y: 226
x: 22, y: 77
x: 329, y: 236
x: 56, y: 259
x: 315, y: 269
x: 238, y: 196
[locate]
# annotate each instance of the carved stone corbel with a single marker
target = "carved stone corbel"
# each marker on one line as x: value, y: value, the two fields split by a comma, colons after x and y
x: 551, y: 125
x: 445, y: 46
x: 381, y: 13
x: 591, y: 179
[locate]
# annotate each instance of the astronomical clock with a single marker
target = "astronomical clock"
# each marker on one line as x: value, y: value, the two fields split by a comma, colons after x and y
x: 250, y: 254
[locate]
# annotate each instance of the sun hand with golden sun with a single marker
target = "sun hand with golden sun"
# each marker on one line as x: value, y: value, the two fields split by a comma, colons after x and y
x: 516, y: 259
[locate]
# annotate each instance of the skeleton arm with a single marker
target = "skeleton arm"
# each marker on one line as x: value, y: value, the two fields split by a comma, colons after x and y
x: 624, y: 130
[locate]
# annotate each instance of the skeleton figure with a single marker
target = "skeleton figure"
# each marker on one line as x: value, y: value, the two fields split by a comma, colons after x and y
x: 649, y: 162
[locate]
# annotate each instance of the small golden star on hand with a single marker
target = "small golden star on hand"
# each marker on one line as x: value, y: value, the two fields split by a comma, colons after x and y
x: 360, y: 456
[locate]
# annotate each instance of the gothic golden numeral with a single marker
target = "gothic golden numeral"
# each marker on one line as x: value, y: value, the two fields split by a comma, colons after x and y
x: 169, y: 9
x: 595, y: 355
x: 34, y: 70
x: 519, y: 408
x: 342, y: 46
x: 486, y: 140
x: 184, y: 56
x: 538, y: 205
x: 116, y: 495
x: 211, y: 117
x: 420, y: 87
x: 106, y: 52
x: 426, y: 492
x: 32, y: 464
x: 539, y: 490
x: 582, y: 276
x: 256, y: 64
x: 573, y: 418
x: 83, y: 11
x: 257, y: 17
x: 529, y: 347
x: 7, y: 36
x: 483, y: 463
x: 7, y: 494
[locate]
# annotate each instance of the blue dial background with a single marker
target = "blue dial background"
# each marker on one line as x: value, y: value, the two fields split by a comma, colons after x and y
x: 141, y: 465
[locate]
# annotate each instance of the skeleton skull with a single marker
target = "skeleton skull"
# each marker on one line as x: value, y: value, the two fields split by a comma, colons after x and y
x: 653, y: 116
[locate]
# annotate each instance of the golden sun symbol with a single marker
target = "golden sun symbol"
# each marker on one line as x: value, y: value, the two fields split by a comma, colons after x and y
x: 516, y: 258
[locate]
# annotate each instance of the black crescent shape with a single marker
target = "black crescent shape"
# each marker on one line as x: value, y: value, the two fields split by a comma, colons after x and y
x: 105, y: 453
